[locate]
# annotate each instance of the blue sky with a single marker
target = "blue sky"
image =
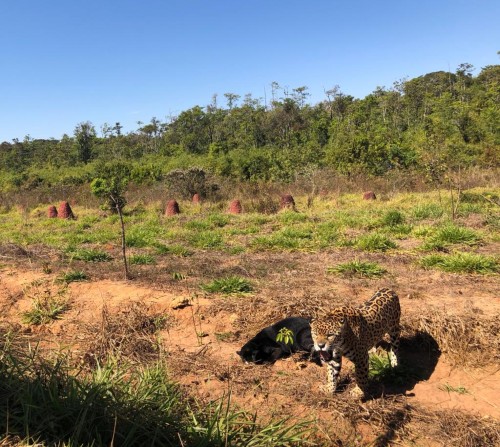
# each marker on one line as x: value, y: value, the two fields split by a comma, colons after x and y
x: 68, y: 61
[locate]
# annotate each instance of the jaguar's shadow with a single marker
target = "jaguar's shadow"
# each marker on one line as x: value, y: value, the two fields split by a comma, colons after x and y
x: 418, y: 357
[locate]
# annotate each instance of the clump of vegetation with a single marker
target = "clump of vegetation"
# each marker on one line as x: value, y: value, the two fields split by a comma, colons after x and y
x: 285, y: 335
x: 206, y: 239
x: 461, y: 262
x: 452, y: 234
x: 427, y: 211
x: 229, y: 285
x: 177, y: 250
x: 73, y: 276
x: 44, y: 310
x: 130, y: 334
x: 48, y: 304
x: 358, y: 268
x: 375, y: 242
x: 277, y: 241
x: 130, y: 406
x: 454, y: 389
x: 380, y: 370
x: 142, y: 259
x: 392, y: 218
x: 90, y: 255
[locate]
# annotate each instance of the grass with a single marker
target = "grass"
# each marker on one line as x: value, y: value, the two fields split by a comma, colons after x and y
x: 142, y: 259
x: 461, y: 262
x: 73, y: 276
x: 380, y: 370
x: 174, y: 249
x: 48, y: 402
x: 206, y: 239
x: 427, y: 211
x: 451, y: 234
x: 44, y: 310
x: 90, y: 255
x: 375, y: 242
x: 454, y: 389
x: 358, y: 268
x: 392, y: 218
x: 228, y: 285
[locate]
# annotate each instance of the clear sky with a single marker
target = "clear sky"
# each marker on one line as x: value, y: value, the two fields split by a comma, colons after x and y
x: 67, y: 61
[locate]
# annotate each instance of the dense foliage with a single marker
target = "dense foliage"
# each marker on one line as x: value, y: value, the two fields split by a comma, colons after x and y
x: 436, y: 122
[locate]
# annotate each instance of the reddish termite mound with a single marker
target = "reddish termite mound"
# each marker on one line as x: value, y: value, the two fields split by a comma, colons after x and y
x: 287, y: 202
x: 172, y: 208
x: 369, y: 195
x: 235, y: 207
x: 65, y: 211
x: 52, y: 212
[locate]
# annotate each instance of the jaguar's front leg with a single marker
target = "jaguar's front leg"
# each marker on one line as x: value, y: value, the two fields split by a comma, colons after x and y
x: 333, y: 371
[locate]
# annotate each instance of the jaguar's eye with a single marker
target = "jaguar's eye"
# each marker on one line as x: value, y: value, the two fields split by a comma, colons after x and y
x: 330, y: 335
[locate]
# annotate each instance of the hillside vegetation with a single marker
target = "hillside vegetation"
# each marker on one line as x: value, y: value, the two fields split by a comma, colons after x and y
x: 435, y: 123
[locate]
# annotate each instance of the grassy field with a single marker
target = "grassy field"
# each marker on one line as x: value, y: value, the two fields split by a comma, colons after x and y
x: 89, y: 359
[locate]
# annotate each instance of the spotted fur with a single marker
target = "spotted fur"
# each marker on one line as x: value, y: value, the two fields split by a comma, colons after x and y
x: 353, y: 331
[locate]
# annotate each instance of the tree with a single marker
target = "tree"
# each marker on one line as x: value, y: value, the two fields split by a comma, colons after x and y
x: 111, y: 185
x: 85, y: 136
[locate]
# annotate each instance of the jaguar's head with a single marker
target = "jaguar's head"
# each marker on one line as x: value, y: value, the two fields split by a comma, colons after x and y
x: 327, y: 332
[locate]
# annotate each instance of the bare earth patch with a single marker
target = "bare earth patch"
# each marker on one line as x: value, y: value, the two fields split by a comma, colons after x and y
x: 458, y: 385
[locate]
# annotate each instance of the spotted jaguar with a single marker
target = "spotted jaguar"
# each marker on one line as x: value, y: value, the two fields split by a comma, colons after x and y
x: 353, y: 331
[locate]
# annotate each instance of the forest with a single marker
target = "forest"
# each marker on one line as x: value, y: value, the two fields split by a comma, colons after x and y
x: 430, y: 124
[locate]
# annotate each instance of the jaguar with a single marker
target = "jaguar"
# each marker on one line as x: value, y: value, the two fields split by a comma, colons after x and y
x: 352, y: 331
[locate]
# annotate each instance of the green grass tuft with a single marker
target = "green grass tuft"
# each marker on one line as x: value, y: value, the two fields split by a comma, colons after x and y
x: 358, y: 268
x: 454, y: 389
x: 228, y: 285
x: 449, y: 235
x: 143, y: 259
x: 206, y: 239
x: 462, y: 262
x: 375, y: 242
x: 427, y: 211
x: 90, y: 255
x: 44, y: 310
x: 392, y: 218
x: 73, y: 276
x: 176, y: 250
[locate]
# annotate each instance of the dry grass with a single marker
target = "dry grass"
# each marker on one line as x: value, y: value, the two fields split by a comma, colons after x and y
x: 456, y: 428
x: 465, y: 339
x: 130, y: 334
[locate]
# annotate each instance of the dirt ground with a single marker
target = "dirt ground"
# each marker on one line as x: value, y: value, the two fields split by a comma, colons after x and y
x: 202, y: 339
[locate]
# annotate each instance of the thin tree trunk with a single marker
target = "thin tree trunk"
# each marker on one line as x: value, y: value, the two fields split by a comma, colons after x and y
x: 124, y: 246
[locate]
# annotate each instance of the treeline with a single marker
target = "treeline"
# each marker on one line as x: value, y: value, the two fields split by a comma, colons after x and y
x: 433, y: 123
